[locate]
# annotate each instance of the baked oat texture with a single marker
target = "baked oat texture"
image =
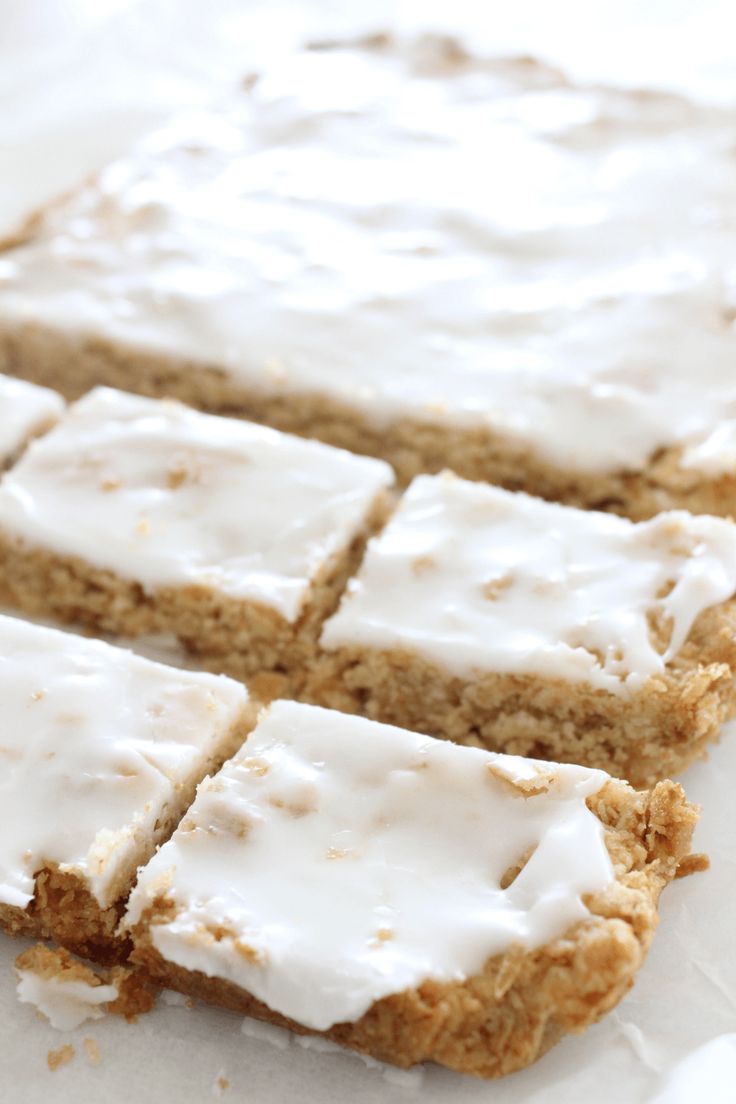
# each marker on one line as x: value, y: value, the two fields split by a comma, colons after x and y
x: 237, y: 637
x: 655, y: 733
x: 64, y: 910
x: 74, y: 365
x: 523, y: 1002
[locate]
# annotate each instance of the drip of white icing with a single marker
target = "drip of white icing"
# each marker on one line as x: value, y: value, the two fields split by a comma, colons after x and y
x: 65, y: 1002
x: 479, y: 579
x: 166, y: 496
x: 320, y: 850
x: 715, y: 454
x: 24, y: 410
x: 478, y: 244
x: 95, y: 744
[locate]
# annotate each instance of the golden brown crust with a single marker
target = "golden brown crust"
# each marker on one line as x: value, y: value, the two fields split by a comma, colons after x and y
x: 57, y: 962
x: 238, y: 637
x: 73, y: 364
x: 135, y: 995
x: 522, y: 1002
x: 64, y: 909
x: 651, y: 735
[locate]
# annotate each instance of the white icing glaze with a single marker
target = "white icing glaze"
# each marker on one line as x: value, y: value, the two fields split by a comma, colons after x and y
x: 487, y: 245
x: 323, y: 846
x: 715, y: 454
x: 168, y: 497
x: 65, y: 1002
x: 24, y: 410
x: 95, y: 744
x: 479, y: 579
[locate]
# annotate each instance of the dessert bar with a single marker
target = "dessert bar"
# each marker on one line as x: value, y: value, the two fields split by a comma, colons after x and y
x: 497, y: 619
x: 406, y: 897
x: 101, y: 753
x: 137, y: 515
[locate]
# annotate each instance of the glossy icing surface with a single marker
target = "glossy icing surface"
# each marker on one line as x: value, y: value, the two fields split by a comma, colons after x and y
x: 484, y: 580
x: 416, y: 234
x: 306, y: 869
x: 166, y: 496
x: 95, y: 744
x: 24, y: 410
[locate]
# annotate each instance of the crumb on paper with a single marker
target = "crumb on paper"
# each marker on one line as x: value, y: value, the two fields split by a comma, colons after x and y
x: 61, y: 1057
x: 692, y: 864
x: 135, y: 995
x: 92, y: 1050
x: 66, y: 992
x: 175, y: 1000
x: 222, y: 1084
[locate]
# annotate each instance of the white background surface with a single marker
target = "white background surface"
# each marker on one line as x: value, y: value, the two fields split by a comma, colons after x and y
x: 78, y: 82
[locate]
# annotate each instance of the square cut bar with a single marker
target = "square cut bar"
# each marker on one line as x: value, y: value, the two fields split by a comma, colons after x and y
x: 445, y: 261
x: 406, y: 897
x: 496, y: 619
x: 101, y: 752
x: 25, y: 411
x: 136, y: 515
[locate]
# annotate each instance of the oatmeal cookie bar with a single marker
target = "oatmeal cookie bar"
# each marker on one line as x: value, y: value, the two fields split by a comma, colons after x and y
x: 101, y: 753
x: 444, y: 261
x: 496, y: 619
x: 137, y: 515
x: 406, y: 897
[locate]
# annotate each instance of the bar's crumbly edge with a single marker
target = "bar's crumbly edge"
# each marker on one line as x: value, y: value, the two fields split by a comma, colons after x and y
x: 242, y: 638
x: 55, y: 965
x: 63, y: 908
x: 522, y: 1002
x: 649, y: 735
x: 74, y: 364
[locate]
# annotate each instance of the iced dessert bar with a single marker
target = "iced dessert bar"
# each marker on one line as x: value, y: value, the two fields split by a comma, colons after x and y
x: 406, y: 897
x: 496, y: 619
x: 101, y: 751
x: 137, y: 515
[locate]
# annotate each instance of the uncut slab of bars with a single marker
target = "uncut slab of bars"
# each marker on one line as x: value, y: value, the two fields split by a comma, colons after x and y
x: 442, y: 260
